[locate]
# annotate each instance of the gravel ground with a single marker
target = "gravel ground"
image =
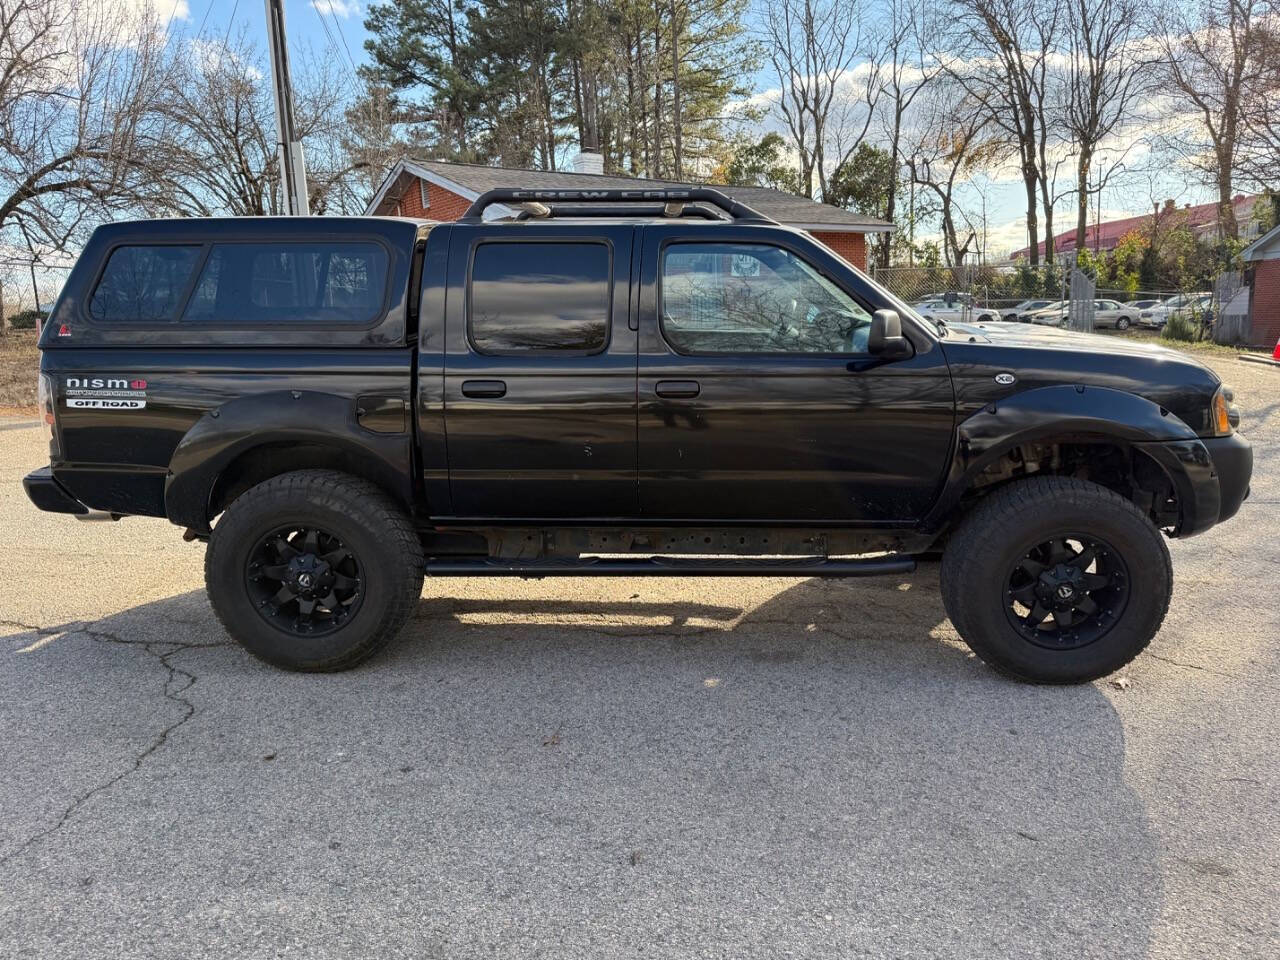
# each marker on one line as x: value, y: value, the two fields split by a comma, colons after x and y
x: 617, y: 768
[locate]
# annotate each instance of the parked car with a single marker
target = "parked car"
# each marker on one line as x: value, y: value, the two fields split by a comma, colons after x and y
x: 1015, y: 313
x: 1184, y: 304
x: 955, y: 312
x: 950, y: 296
x: 1111, y: 313
x: 1141, y: 305
x: 1053, y: 315
x: 338, y: 406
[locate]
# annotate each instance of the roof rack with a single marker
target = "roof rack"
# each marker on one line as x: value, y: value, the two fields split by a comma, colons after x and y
x: 673, y: 200
x: 530, y: 211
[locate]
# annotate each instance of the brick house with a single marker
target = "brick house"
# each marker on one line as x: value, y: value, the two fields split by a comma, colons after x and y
x: 1262, y: 267
x: 437, y: 190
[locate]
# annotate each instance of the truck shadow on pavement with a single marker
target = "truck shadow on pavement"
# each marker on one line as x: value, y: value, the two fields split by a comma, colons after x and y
x: 827, y: 772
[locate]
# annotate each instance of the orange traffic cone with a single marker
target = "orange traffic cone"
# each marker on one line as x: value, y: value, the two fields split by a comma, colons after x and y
x: 1276, y: 354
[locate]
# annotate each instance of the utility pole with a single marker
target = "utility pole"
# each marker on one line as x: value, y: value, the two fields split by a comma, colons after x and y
x: 293, y: 169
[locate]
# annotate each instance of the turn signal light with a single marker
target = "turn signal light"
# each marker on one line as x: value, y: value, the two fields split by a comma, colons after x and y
x: 1221, y: 414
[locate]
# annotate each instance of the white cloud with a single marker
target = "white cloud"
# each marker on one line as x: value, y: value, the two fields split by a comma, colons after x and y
x: 337, y: 8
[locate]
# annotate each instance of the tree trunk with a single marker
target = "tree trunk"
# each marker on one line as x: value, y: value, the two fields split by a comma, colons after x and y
x: 1029, y: 180
x: 656, y: 169
x: 675, y: 92
x: 1082, y: 201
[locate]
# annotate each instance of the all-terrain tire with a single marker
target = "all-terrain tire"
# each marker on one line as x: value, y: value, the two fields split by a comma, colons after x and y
x: 995, y: 538
x: 379, y: 547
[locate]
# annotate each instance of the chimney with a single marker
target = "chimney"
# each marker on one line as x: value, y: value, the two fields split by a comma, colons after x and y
x: 1168, y: 204
x: 588, y: 161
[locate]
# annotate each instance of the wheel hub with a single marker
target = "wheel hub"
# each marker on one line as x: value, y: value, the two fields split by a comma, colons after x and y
x: 309, y: 575
x: 304, y: 580
x: 1066, y: 592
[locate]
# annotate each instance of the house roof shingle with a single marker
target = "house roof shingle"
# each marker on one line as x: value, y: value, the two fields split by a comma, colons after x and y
x: 783, y: 207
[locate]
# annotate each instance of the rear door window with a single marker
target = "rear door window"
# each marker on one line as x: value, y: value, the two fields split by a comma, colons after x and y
x: 325, y: 284
x: 540, y: 297
x: 143, y: 284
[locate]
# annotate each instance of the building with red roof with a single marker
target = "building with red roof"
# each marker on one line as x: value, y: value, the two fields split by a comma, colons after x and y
x: 1202, y: 218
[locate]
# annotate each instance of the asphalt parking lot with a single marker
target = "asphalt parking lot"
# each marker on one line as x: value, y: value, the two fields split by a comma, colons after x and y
x: 630, y: 768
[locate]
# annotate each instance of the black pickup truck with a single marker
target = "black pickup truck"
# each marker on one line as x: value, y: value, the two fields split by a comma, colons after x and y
x: 641, y: 382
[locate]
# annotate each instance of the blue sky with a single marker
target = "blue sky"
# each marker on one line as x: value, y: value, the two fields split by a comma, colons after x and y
x: 307, y: 20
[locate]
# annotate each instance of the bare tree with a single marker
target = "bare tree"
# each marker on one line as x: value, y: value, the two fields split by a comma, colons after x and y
x: 1258, y: 156
x: 905, y: 73
x: 78, y: 80
x: 1107, y: 76
x: 1213, y: 54
x: 218, y: 151
x: 828, y: 77
x: 953, y: 135
x: 1003, y: 57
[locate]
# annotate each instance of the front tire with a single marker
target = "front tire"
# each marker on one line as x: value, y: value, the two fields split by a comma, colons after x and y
x: 314, y: 570
x: 1122, y: 323
x: 1056, y: 580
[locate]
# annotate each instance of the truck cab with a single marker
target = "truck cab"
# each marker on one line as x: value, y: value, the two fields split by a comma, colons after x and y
x: 647, y: 382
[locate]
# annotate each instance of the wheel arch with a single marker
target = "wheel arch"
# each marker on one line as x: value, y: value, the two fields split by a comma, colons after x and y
x: 1071, y: 419
x: 252, y: 439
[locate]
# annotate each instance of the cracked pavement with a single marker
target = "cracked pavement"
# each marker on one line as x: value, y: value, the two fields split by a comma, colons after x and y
x: 616, y: 768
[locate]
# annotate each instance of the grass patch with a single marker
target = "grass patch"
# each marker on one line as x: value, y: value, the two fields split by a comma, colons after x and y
x: 19, y: 363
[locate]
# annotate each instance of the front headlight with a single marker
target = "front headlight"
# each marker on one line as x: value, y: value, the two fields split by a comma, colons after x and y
x: 1223, y: 417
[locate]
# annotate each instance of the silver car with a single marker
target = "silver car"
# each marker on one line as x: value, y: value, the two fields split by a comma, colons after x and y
x: 1053, y: 315
x: 1111, y: 313
x: 1013, y: 314
x: 1188, y: 304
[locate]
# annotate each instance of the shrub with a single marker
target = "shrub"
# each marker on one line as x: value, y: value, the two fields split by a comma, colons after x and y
x: 1181, y: 327
x: 27, y: 319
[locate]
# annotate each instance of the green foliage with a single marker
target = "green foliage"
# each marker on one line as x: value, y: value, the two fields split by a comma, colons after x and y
x: 865, y: 182
x: 27, y: 319
x: 1181, y: 327
x: 527, y: 82
x: 762, y: 164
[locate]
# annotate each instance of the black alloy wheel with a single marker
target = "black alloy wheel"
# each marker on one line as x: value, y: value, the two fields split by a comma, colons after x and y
x: 304, y: 580
x: 1067, y: 592
x: 313, y: 570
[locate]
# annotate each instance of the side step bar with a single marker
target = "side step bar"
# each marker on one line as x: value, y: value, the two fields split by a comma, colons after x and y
x: 669, y: 567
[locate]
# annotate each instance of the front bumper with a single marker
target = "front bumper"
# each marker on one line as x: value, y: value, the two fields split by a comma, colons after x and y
x: 1233, y: 462
x: 47, y: 494
x: 1211, y: 477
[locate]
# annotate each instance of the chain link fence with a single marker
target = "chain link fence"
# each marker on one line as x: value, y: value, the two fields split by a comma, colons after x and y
x: 1006, y: 292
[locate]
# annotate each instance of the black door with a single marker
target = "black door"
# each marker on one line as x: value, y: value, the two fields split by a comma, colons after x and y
x: 757, y: 399
x: 540, y: 373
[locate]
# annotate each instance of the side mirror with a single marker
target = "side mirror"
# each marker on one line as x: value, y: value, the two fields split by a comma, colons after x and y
x: 886, y: 339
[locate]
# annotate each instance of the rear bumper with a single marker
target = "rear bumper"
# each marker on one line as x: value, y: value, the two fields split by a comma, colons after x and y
x: 47, y: 494
x: 1211, y: 477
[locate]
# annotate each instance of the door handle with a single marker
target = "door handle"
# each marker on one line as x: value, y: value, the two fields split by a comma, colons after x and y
x: 484, y: 389
x: 677, y: 389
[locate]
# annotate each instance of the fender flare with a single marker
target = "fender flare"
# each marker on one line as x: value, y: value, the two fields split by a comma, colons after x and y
x: 1043, y: 413
x: 278, y: 418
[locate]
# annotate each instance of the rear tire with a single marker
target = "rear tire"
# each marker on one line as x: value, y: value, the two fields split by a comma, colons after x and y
x: 1094, y: 572
x: 313, y: 570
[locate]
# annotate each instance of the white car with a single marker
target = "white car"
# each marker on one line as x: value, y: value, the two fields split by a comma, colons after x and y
x: 1191, y: 304
x: 954, y: 312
